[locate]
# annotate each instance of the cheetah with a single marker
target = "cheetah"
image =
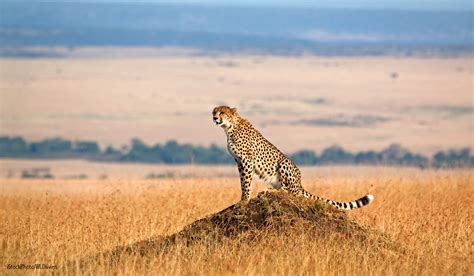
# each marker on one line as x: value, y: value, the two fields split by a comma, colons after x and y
x: 255, y: 155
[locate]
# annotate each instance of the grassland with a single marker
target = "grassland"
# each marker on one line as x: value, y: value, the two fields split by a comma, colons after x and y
x: 428, y: 214
x: 360, y: 103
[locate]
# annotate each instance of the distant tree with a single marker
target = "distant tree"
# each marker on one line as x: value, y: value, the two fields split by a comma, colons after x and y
x: 304, y: 157
x: 51, y: 147
x: 173, y: 152
x: 414, y: 160
x: 368, y: 158
x: 336, y: 155
x: 218, y: 155
x: 393, y: 155
x: 440, y: 159
x: 139, y: 152
x: 110, y: 150
x: 453, y: 158
x: 110, y: 154
x: 12, y: 147
x: 86, y: 147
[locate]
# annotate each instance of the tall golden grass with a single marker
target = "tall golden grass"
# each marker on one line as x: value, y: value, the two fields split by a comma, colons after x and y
x: 428, y: 214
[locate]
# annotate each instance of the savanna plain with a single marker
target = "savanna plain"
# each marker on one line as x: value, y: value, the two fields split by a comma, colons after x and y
x: 425, y: 214
x: 420, y: 221
x: 359, y: 103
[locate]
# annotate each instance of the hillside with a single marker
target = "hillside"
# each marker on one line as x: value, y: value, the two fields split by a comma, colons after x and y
x: 276, y: 30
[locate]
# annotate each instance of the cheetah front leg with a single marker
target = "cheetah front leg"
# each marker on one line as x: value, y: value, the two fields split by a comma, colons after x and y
x: 245, y: 171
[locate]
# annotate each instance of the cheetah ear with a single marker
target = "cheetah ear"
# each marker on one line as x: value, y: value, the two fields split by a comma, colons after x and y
x: 234, y: 111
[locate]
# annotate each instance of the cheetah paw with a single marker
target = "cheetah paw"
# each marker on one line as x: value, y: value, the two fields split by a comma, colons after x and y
x: 266, y: 191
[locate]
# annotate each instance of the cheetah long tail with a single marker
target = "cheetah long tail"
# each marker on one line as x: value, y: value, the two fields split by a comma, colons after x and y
x: 358, y: 203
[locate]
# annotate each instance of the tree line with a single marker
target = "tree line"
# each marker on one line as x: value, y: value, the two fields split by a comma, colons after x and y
x: 173, y: 152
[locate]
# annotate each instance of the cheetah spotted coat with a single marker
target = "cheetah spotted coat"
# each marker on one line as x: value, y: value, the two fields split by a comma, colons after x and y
x: 255, y: 155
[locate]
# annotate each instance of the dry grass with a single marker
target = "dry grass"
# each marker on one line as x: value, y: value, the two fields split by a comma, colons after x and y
x: 427, y: 214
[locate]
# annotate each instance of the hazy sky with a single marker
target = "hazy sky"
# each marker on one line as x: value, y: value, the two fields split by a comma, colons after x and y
x: 372, y: 4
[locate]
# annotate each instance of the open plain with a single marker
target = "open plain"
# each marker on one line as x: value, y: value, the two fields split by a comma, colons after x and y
x: 359, y: 103
x: 427, y: 214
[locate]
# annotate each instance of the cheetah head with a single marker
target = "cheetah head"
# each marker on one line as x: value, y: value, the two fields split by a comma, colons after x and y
x: 224, y: 116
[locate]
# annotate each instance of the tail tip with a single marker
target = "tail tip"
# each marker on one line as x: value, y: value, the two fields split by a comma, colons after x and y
x: 370, y: 197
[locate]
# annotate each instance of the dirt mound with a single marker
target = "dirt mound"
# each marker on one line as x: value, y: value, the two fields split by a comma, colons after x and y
x: 272, y: 213
x: 269, y: 212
